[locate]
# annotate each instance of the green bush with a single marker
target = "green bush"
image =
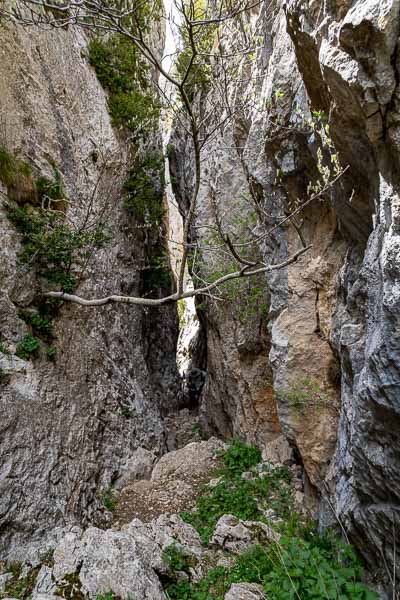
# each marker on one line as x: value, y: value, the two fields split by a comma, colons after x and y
x: 28, y: 347
x: 293, y: 569
x: 41, y: 325
x: 122, y: 72
x: 144, y: 190
x: 52, y: 246
x: 51, y: 352
x: 178, y: 560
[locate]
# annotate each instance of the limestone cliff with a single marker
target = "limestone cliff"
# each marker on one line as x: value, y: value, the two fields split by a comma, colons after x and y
x: 67, y: 426
x: 334, y: 314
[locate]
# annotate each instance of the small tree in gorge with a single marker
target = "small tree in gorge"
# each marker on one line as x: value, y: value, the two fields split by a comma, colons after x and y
x: 203, y: 66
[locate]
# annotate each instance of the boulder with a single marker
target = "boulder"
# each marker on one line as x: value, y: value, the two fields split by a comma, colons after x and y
x: 278, y: 452
x: 188, y: 463
x: 236, y: 536
x: 138, y: 466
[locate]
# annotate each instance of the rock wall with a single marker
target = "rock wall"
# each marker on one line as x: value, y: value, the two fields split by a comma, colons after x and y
x: 66, y: 427
x: 334, y: 314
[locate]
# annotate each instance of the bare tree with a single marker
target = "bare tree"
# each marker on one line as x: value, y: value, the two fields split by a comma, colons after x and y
x: 203, y: 66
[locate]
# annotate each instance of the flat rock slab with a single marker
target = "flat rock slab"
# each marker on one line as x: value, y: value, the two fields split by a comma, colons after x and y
x: 245, y: 591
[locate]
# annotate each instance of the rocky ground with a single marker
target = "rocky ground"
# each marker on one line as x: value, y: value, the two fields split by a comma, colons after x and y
x: 168, y: 536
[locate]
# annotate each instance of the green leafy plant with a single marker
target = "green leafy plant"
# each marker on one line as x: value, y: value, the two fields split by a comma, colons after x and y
x: 41, y: 325
x: 240, y: 457
x: 293, y: 569
x: 107, y: 596
x: 51, y: 352
x: 177, y: 559
x: 28, y: 347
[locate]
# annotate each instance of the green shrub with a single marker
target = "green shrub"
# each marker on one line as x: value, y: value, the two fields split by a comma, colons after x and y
x: 122, y: 72
x: 52, y: 246
x: 51, y: 352
x: 41, y: 325
x: 28, y: 347
x: 303, y: 565
x: 144, y: 190
x: 293, y: 569
x: 177, y: 559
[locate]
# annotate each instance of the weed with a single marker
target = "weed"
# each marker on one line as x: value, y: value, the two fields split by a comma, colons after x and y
x: 302, y: 566
x: 236, y: 496
x: 109, y: 499
x: 240, y: 457
x: 70, y: 587
x: 41, y: 325
x: 28, y: 347
x: 20, y: 586
x: 51, y: 352
x: 178, y: 560
x: 305, y: 394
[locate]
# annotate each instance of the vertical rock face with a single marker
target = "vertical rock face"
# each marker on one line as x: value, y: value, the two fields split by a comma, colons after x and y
x: 333, y: 314
x: 66, y: 426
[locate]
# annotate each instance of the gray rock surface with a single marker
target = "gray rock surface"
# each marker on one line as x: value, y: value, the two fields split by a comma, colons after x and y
x: 67, y: 426
x: 174, y: 485
x: 334, y: 314
x: 127, y: 561
x: 245, y: 591
x: 138, y: 466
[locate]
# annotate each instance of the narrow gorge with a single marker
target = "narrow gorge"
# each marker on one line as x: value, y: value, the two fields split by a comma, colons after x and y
x: 200, y: 300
